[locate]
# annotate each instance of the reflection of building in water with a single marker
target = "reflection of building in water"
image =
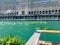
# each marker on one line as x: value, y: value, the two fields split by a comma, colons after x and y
x: 30, y: 9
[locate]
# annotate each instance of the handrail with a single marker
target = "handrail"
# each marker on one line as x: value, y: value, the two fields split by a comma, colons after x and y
x: 49, y: 31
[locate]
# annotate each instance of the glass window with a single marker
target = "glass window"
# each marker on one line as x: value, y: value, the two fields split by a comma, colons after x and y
x: 43, y: 12
x: 23, y: 12
x: 46, y: 11
x: 49, y: 11
x: 56, y: 10
x: 52, y: 10
x: 29, y: 12
x: 37, y: 12
x: 59, y: 10
x: 34, y: 12
x: 40, y: 12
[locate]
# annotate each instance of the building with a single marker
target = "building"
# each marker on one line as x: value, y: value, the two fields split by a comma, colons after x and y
x: 30, y: 9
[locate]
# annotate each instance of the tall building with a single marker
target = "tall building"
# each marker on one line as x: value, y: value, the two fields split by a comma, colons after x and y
x: 37, y: 5
x: 30, y: 7
x: 30, y: 4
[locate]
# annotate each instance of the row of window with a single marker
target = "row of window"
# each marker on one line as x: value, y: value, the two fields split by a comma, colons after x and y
x: 13, y: 13
x: 44, y: 12
x: 33, y: 17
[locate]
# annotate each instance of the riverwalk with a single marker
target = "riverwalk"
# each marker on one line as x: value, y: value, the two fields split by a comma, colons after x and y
x: 34, y: 40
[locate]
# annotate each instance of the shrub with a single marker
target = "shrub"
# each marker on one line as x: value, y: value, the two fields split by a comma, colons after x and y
x: 11, y: 41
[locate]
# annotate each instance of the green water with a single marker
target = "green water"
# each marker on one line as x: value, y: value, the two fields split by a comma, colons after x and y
x: 25, y: 29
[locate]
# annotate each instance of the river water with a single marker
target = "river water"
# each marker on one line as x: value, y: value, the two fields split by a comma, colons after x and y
x: 25, y: 29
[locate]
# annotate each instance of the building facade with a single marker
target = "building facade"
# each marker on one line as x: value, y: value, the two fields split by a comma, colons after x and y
x: 30, y: 9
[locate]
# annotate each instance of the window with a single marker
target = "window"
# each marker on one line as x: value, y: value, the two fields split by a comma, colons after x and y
x: 43, y: 12
x: 52, y: 10
x: 37, y: 12
x: 59, y: 10
x: 23, y: 12
x: 56, y: 10
x: 40, y: 12
x: 46, y: 12
x: 34, y: 12
x: 29, y: 12
x: 49, y: 11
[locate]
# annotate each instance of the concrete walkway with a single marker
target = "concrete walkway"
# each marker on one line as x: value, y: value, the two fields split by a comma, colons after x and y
x: 34, y: 39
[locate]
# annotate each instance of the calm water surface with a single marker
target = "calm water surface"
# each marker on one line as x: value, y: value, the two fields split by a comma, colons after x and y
x: 25, y: 29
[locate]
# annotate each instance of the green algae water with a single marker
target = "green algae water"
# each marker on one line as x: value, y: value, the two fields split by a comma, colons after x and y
x: 25, y: 29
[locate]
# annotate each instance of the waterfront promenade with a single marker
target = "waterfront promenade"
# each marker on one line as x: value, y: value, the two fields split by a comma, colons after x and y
x: 34, y: 40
